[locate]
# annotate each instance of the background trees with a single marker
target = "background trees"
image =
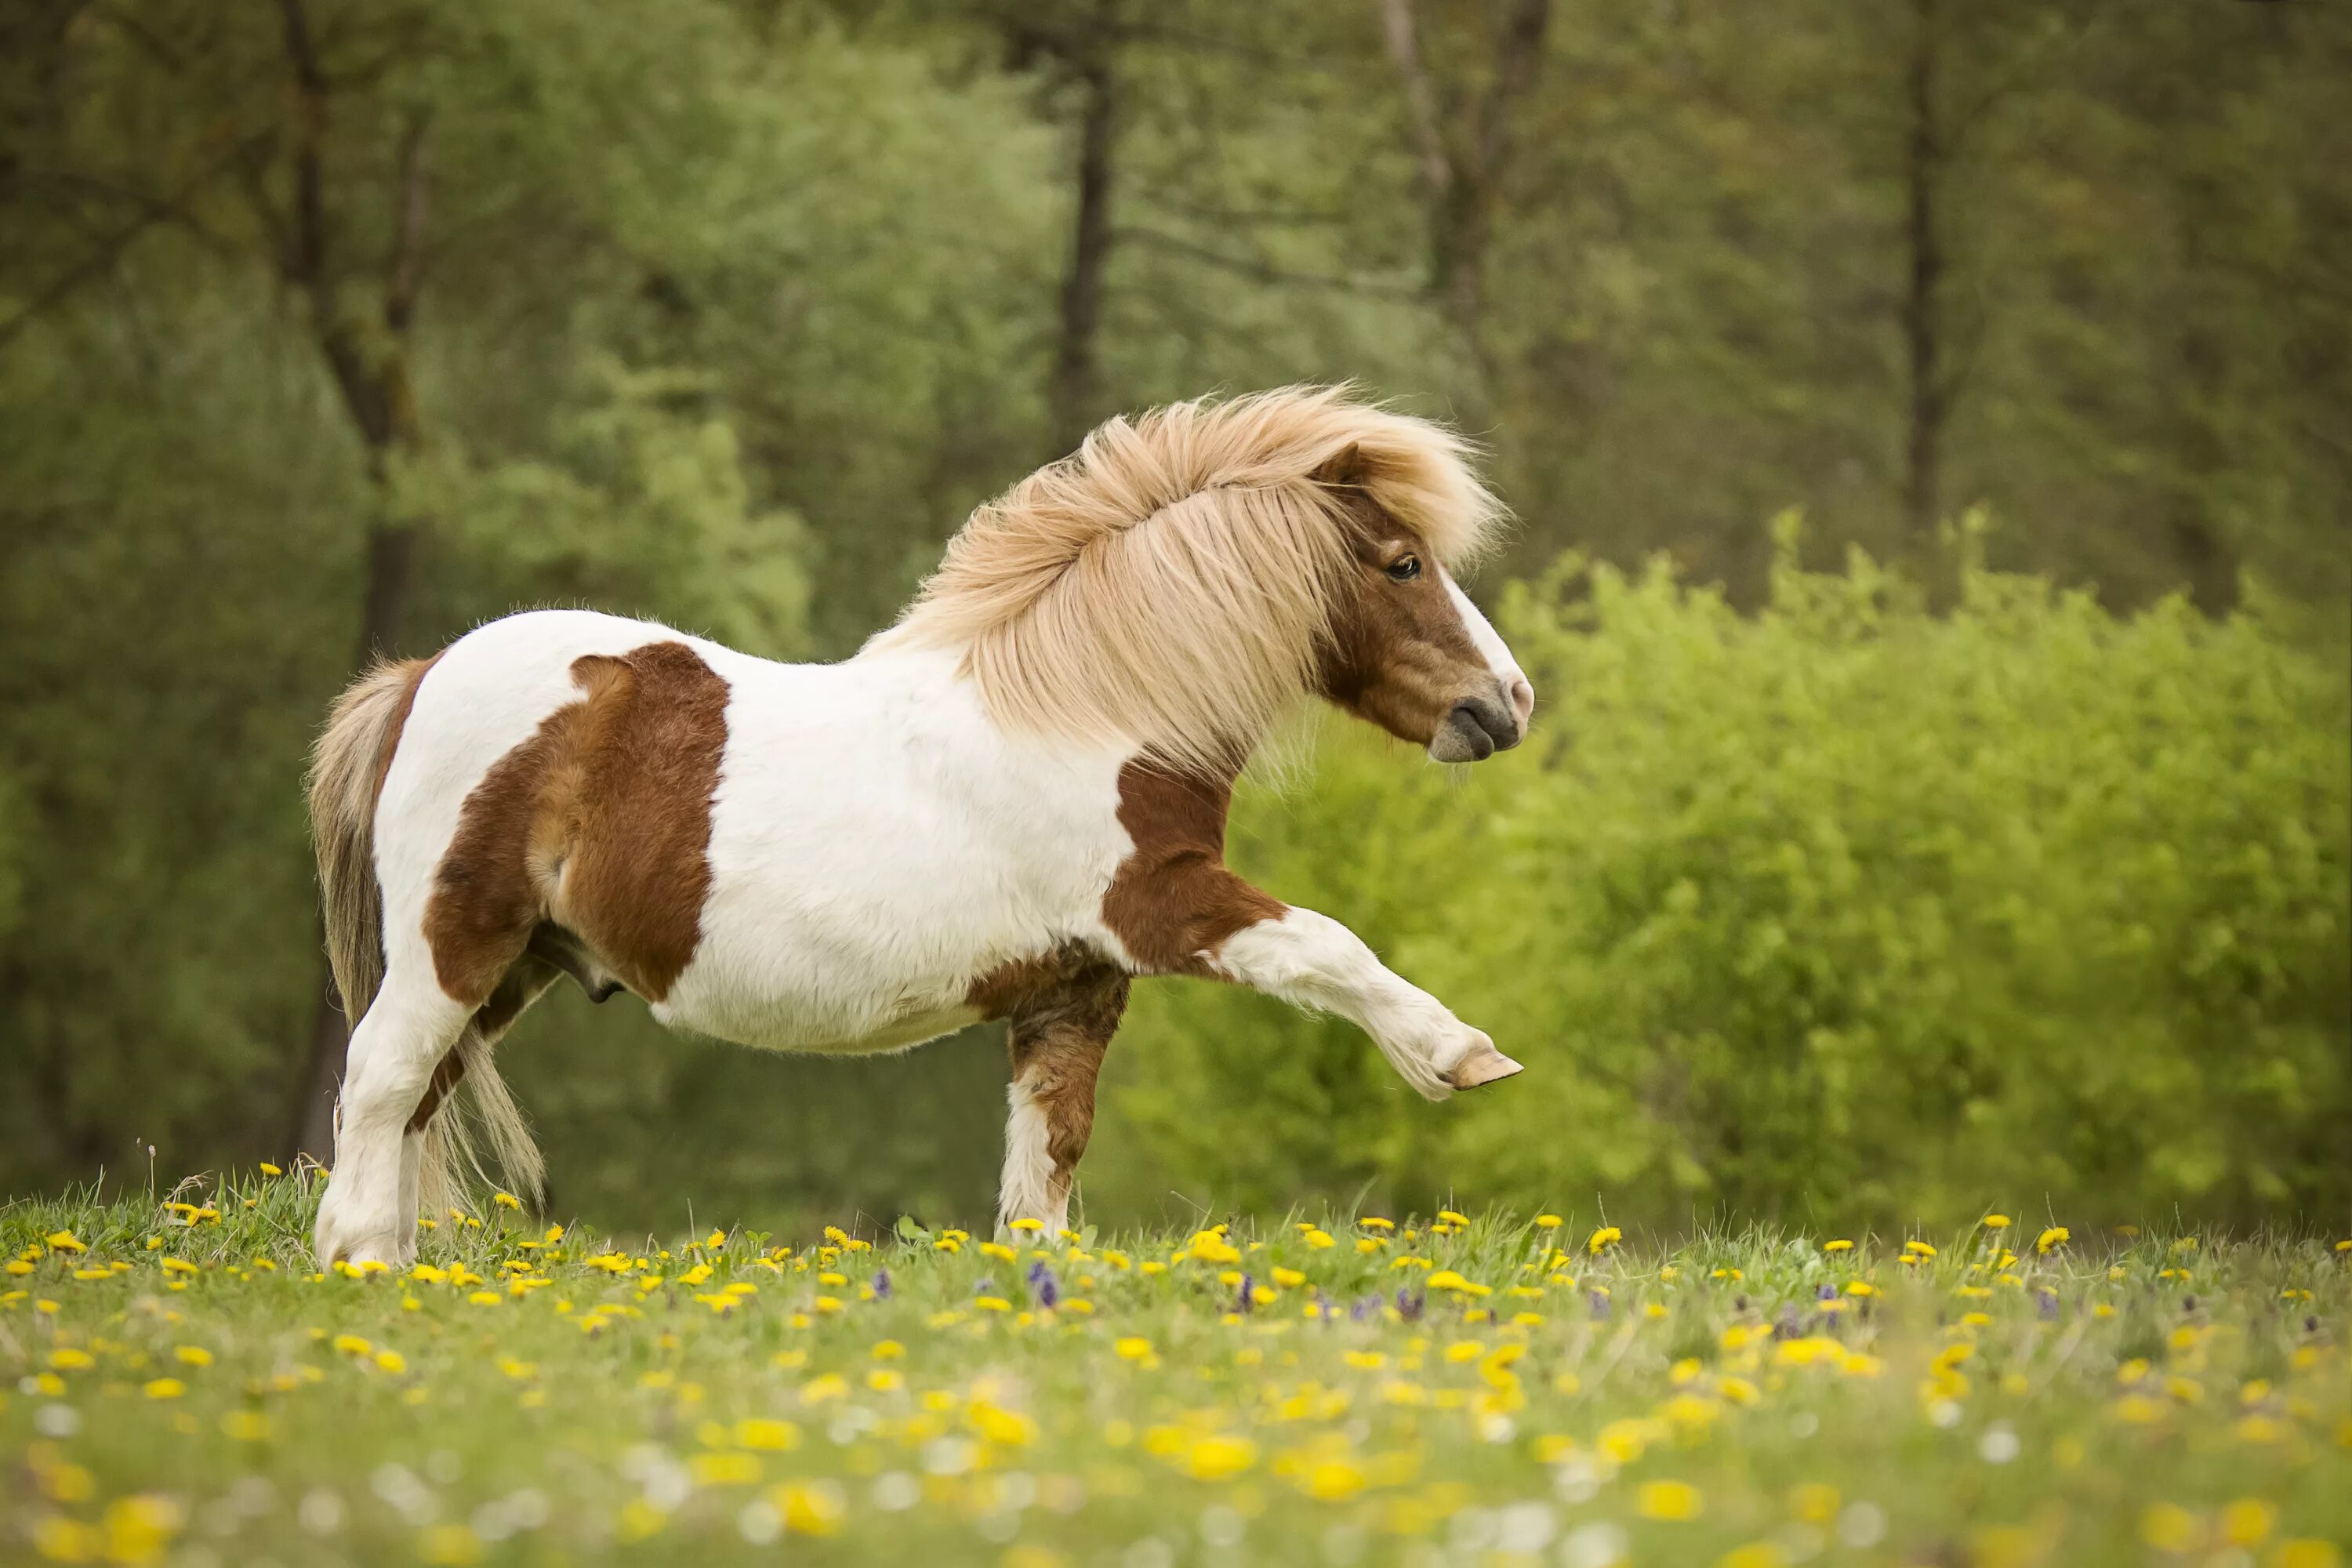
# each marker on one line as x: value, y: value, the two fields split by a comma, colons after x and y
x: 327, y: 327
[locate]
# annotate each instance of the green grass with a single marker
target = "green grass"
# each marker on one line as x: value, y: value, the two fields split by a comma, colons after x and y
x: 183, y: 1388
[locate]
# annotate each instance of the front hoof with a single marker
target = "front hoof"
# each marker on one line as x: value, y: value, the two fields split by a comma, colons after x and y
x: 1482, y: 1065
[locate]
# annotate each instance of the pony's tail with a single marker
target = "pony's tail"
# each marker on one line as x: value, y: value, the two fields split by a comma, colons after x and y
x: 452, y: 1138
x: 347, y: 770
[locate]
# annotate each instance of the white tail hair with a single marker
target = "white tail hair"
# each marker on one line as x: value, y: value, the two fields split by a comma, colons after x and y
x: 347, y: 769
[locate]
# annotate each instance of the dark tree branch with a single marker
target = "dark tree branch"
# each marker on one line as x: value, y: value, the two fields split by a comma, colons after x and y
x: 1923, y: 342
x: 1429, y: 136
x: 1518, y: 57
x: 1460, y: 175
x: 151, y: 212
x: 307, y: 263
x: 405, y: 274
x: 96, y: 265
x: 1263, y: 272
x: 1091, y: 58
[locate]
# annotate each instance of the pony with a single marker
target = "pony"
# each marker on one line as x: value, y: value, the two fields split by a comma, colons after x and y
x: 1006, y: 806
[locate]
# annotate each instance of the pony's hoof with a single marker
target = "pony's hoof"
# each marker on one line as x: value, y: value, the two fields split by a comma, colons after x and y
x: 1483, y: 1065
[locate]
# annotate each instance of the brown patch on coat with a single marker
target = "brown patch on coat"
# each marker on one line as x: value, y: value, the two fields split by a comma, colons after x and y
x: 1056, y: 1043
x: 1027, y: 985
x: 600, y: 822
x: 1399, y: 655
x: 1172, y: 903
x: 413, y: 672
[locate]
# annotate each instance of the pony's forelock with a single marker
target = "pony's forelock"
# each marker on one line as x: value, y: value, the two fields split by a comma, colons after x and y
x: 1167, y: 587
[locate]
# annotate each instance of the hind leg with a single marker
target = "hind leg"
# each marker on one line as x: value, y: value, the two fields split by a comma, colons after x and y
x: 420, y: 1164
x: 1057, y: 1047
x: 409, y: 1028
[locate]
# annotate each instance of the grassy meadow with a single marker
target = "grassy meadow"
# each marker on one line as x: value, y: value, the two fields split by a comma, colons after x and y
x: 177, y: 1384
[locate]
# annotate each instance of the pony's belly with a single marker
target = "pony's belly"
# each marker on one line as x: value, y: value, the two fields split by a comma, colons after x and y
x: 812, y: 1025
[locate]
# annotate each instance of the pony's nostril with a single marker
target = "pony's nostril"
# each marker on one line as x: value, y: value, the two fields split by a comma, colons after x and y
x: 1522, y: 698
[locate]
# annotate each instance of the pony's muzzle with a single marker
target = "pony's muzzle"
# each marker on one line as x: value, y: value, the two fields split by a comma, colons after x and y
x: 1478, y: 727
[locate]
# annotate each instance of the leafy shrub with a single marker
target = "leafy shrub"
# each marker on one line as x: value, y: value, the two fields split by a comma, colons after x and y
x: 1842, y: 909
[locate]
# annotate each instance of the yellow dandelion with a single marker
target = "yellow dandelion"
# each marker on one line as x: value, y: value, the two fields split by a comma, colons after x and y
x: 1601, y: 1240
x: 449, y: 1546
x: 1675, y: 1501
x: 812, y: 1508
x: 2169, y: 1527
x: 245, y: 1426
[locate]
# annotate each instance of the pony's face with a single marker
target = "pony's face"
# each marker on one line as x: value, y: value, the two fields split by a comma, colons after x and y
x: 1410, y: 653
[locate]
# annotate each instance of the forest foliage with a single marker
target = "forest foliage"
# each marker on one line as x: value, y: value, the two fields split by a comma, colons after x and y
x: 329, y: 327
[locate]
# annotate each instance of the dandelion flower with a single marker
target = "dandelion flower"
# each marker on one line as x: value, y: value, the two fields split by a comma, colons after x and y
x: 1601, y: 1240
x: 1676, y: 1501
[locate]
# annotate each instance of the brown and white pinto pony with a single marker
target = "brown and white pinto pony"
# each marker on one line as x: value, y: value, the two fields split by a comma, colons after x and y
x: 1006, y: 806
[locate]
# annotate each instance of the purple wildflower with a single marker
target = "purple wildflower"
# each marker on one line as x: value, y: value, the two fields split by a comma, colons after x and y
x: 1826, y: 1293
x: 1246, y: 1300
x: 1364, y: 1307
x: 1042, y: 1286
x: 881, y: 1284
x: 1409, y: 1307
x: 1600, y: 1306
x: 2049, y: 1305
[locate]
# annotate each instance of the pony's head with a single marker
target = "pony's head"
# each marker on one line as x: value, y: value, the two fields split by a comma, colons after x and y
x: 1406, y: 649
x: 1186, y: 575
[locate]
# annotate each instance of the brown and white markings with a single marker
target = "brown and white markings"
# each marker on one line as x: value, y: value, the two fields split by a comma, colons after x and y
x: 1006, y: 806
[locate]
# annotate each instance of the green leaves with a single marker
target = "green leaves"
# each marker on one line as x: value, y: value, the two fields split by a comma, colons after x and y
x: 1842, y: 908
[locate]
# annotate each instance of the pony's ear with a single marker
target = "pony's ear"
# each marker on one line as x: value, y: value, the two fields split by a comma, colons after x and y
x: 1344, y: 466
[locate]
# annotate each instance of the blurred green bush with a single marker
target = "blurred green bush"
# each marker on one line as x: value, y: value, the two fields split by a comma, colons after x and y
x: 1844, y: 910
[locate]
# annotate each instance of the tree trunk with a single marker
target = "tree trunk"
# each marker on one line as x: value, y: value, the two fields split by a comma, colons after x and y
x: 1923, y: 173
x: 1077, y: 377
x: 1462, y: 174
x: 372, y: 373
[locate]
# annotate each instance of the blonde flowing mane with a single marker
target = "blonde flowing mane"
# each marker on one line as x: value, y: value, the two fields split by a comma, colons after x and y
x: 1169, y: 584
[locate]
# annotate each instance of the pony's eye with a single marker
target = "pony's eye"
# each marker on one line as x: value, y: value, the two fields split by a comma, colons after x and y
x: 1405, y: 568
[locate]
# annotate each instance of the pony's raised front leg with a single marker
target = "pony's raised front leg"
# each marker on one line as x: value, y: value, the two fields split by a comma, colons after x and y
x: 1313, y: 961
x: 406, y: 1031
x: 1057, y: 1048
